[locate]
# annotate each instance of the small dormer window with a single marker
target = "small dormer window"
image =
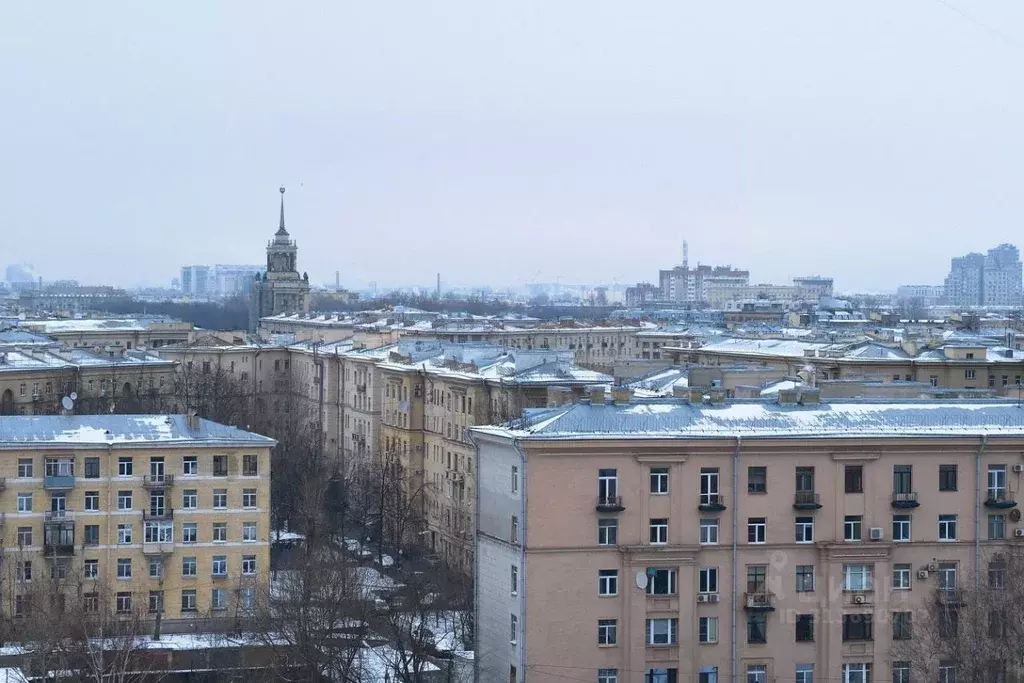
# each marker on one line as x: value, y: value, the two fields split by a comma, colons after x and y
x: 970, y: 355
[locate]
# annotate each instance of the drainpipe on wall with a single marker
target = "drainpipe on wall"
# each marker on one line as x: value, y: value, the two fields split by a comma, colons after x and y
x: 977, y: 510
x: 523, y: 576
x: 733, y: 665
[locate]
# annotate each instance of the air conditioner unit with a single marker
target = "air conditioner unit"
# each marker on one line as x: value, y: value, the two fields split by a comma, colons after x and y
x: 712, y: 597
x: 858, y: 599
x: 703, y: 597
x: 922, y: 574
x: 877, y: 533
x: 1018, y: 533
x: 1018, y: 468
x: 933, y: 566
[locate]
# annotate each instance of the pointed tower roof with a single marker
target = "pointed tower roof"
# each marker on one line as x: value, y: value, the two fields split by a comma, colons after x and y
x: 281, y: 232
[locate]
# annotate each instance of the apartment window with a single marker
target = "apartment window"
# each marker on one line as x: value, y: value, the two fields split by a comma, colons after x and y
x: 513, y: 629
x: 901, y: 625
x: 248, y: 565
x: 901, y: 672
x: 188, y: 600
x: 24, y: 502
x: 124, y: 602
x: 757, y: 480
x: 947, y: 575
x: 514, y: 530
x: 757, y: 673
x: 856, y: 627
x: 189, y: 499
x: 607, y: 485
x: 708, y: 580
x: 902, y: 479
x: 24, y: 536
x: 24, y: 468
x: 901, y: 577
x: 757, y: 530
x: 857, y: 577
x: 852, y: 527
x: 805, y: 578
x: 156, y: 601
x: 708, y: 485
x: 220, y: 532
x: 854, y: 478
x: 901, y: 527
x: 25, y: 571
x: 188, y: 566
x: 997, y: 482
x: 124, y: 466
x: 220, y: 465
x: 757, y: 628
x: 947, y: 477
x: 189, y: 532
x: 804, y: 673
x: 92, y: 501
x: 607, y: 532
x: 857, y: 672
x: 663, y: 582
x: 250, y: 465
x: 249, y: 499
x: 996, y: 526
x: 59, y: 570
x: 804, y: 529
x: 514, y: 580
x: 248, y: 532
x: 805, y: 479
x: 709, y: 531
x: 659, y: 531
x: 220, y: 499
x: 757, y: 578
x: 662, y: 631
x: 996, y: 574
x: 92, y: 534
x: 805, y: 628
x: 156, y: 567
x: 218, y: 599
x: 124, y: 568
x: 608, y: 582
x: 947, y: 527
x: 220, y: 565
x: 968, y: 374
x: 124, y: 500
x: 607, y: 631
x: 603, y: 675
x: 124, y: 534
x: 515, y: 479
x: 190, y: 465
x: 707, y: 629
x: 659, y: 480
x: 91, y: 569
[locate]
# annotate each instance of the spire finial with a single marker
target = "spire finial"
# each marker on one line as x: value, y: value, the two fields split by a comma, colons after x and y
x: 280, y: 229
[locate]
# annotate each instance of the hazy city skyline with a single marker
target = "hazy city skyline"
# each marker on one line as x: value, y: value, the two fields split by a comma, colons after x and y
x: 581, y: 141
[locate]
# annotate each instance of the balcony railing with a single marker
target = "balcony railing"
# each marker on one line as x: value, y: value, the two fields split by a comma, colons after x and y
x: 610, y: 504
x: 57, y: 482
x: 1000, y: 498
x: 54, y: 516
x: 711, y: 502
x: 158, y: 513
x: 58, y: 547
x: 806, y: 500
x: 950, y: 596
x: 157, y: 548
x: 759, y: 601
x: 158, y: 481
x: 904, y: 499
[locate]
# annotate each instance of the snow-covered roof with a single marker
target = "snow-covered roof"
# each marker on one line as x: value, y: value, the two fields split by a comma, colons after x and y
x: 123, y: 431
x: 63, y: 326
x: 674, y: 418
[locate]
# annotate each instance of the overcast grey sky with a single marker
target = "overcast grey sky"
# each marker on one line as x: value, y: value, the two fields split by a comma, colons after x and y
x: 509, y: 142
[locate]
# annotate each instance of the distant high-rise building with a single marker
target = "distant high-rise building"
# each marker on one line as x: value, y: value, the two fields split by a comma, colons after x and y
x: 195, y: 281
x: 20, y: 273
x: 690, y: 285
x: 992, y: 279
x: 281, y: 289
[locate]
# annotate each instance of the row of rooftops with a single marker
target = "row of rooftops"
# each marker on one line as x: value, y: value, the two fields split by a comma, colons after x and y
x: 122, y: 431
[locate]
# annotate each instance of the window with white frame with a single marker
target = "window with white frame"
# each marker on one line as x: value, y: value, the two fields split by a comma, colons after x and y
x: 707, y: 580
x: 188, y: 566
x: 857, y: 672
x: 607, y: 531
x: 190, y: 465
x: 607, y: 631
x: 947, y: 671
x: 947, y: 527
x: 659, y: 531
x: 996, y: 526
x: 156, y: 567
x: 805, y: 578
x: 248, y: 532
x: 24, y: 502
x: 124, y: 466
x: 757, y: 673
x: 219, y: 565
x: 901, y: 672
x: 608, y: 582
x: 249, y: 499
x: 189, y: 499
x: 805, y: 530
x: 709, y: 486
x: 124, y: 500
x: 662, y: 582
x: 189, y: 533
x: 220, y: 532
x: 709, y: 531
x: 92, y: 501
x: 857, y: 577
x: 659, y: 480
x: 804, y: 673
x: 852, y: 527
x: 248, y: 565
x: 124, y: 568
x: 757, y: 530
x: 607, y: 676
x: 662, y: 631
x: 514, y: 580
x: 220, y: 499
x: 707, y: 629
x: 901, y: 528
x: 901, y: 577
x: 513, y: 635
x: 124, y: 534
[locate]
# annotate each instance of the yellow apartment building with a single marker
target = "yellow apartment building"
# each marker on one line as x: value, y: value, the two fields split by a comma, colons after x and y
x: 137, y: 513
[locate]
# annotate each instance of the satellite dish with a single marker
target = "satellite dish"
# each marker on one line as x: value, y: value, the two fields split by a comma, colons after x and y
x: 67, y: 403
x: 641, y: 580
x: 74, y: 395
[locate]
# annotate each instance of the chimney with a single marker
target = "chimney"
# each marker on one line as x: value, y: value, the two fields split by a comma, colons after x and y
x: 622, y: 395
x: 788, y: 397
x: 193, y: 421
x: 679, y: 391
x: 809, y: 396
x: 597, y: 396
x: 559, y: 396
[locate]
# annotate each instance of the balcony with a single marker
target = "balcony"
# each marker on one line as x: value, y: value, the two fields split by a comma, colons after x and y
x: 219, y: 577
x: 950, y: 597
x: 1000, y: 499
x: 711, y: 502
x: 157, y: 548
x: 153, y: 514
x: 904, y: 500
x: 59, y: 547
x: 759, y: 601
x: 57, y: 516
x: 58, y: 482
x: 806, y: 500
x: 158, y: 481
x: 610, y: 504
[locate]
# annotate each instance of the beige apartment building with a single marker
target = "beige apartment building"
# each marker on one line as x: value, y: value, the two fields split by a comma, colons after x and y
x: 135, y: 513
x: 658, y: 541
x: 113, y: 335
